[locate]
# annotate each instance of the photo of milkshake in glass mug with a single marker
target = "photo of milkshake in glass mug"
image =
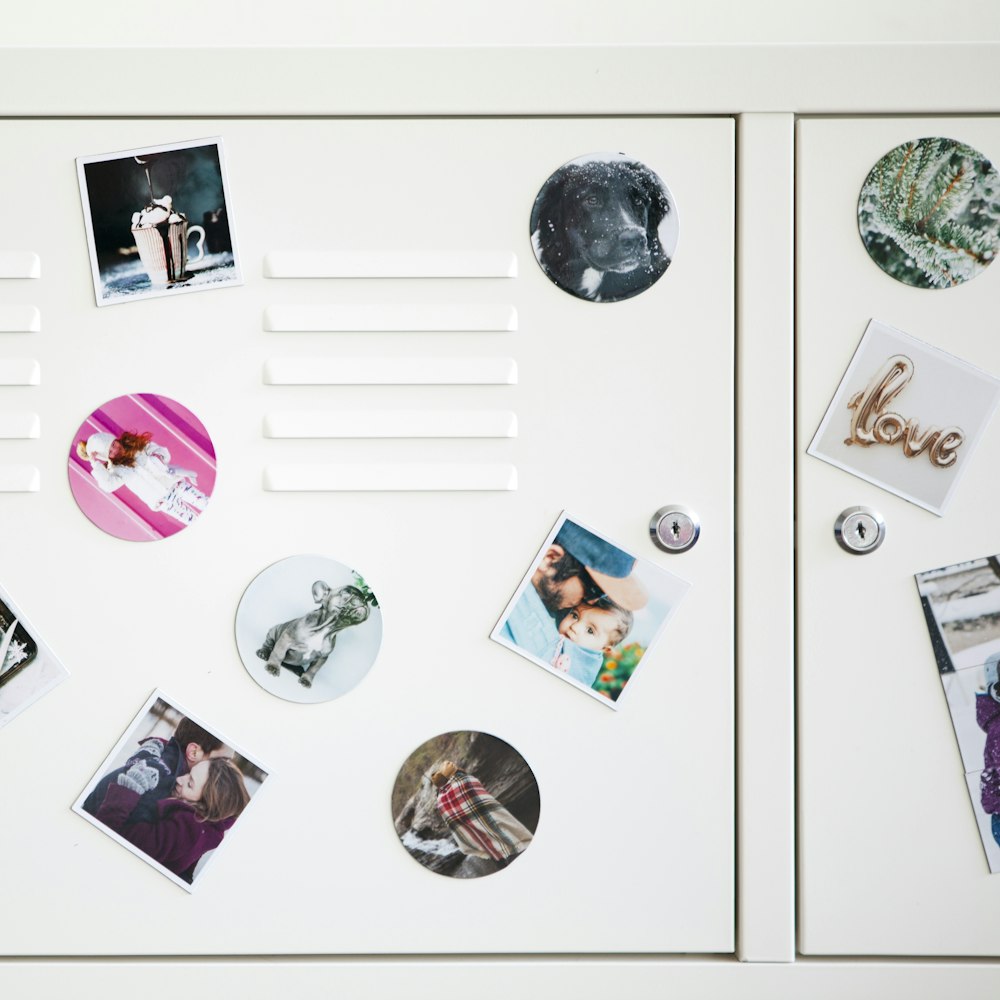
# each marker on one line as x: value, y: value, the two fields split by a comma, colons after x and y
x: 137, y: 204
x: 161, y: 236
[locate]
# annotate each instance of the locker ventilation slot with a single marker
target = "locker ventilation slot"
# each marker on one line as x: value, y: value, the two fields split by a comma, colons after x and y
x: 19, y: 264
x: 19, y: 479
x: 390, y: 371
x: 422, y: 477
x: 389, y: 424
x: 388, y: 317
x: 20, y: 319
x: 20, y: 425
x: 333, y: 264
x: 20, y: 371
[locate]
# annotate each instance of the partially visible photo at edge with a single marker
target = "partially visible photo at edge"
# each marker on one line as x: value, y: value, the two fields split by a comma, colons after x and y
x: 588, y: 610
x: 28, y: 668
x: 961, y: 605
x: 159, y: 221
x: 172, y: 790
x: 142, y: 467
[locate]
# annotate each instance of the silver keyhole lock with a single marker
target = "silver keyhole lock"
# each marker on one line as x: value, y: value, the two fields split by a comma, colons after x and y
x: 859, y: 530
x: 674, y: 528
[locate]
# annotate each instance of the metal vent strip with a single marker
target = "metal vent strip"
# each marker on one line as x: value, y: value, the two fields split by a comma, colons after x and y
x: 17, y: 372
x: 318, y: 423
x: 395, y: 264
x: 390, y: 371
x: 20, y: 319
x: 381, y: 317
x: 20, y: 264
x: 389, y: 315
x: 392, y: 477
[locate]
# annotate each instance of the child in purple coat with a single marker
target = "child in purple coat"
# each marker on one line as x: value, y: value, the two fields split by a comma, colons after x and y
x: 988, y: 718
x: 204, y: 804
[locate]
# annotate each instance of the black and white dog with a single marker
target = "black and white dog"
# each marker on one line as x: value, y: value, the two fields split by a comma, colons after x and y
x: 595, y: 227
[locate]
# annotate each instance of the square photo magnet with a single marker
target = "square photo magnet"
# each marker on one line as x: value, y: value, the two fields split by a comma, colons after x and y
x: 28, y: 668
x: 906, y: 417
x: 588, y: 610
x: 159, y: 221
x: 172, y: 791
x: 961, y: 605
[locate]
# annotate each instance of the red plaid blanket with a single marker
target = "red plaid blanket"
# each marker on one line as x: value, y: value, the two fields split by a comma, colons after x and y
x: 479, y: 823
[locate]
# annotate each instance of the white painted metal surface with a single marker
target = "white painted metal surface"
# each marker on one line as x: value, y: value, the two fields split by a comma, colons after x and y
x: 389, y: 371
x: 765, y: 540
x: 638, y: 978
x: 381, y: 477
x: 19, y: 264
x: 635, y: 851
x: 387, y: 423
x: 890, y: 856
x: 19, y: 479
x: 20, y: 319
x: 390, y: 59
x: 389, y: 264
x: 19, y: 425
x: 19, y: 371
x: 627, y: 79
x: 381, y: 317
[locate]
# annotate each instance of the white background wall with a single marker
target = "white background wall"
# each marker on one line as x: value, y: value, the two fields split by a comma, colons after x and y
x: 515, y: 22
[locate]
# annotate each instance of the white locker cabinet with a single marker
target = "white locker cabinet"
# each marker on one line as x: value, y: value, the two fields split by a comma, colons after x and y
x: 811, y: 837
x: 634, y: 851
x: 890, y: 857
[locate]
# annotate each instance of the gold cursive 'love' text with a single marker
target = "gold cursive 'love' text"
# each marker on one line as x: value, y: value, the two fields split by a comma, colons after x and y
x: 871, y: 422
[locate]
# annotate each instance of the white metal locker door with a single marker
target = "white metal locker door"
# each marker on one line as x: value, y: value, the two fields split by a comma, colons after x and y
x: 620, y: 408
x: 890, y: 857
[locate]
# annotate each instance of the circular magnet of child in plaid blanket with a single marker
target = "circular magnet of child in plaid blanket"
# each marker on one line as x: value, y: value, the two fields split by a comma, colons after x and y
x: 929, y: 212
x: 142, y: 467
x: 465, y: 804
x: 308, y: 628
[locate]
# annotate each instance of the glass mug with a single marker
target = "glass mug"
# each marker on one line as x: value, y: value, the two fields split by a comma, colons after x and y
x: 163, y: 250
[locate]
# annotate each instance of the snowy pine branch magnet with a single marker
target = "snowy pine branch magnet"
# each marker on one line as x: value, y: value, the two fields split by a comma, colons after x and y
x: 929, y: 213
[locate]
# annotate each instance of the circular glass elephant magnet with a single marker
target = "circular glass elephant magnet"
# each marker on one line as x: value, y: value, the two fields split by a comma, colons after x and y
x: 308, y: 628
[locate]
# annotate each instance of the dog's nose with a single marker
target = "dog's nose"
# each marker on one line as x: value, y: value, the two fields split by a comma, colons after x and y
x: 632, y: 240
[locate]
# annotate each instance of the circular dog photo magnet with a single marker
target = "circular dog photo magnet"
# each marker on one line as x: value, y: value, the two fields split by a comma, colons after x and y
x: 465, y: 804
x: 929, y: 213
x: 308, y: 628
x: 142, y: 467
x: 604, y: 227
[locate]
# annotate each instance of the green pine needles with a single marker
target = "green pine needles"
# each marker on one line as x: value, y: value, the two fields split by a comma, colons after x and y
x: 929, y: 213
x: 366, y: 591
